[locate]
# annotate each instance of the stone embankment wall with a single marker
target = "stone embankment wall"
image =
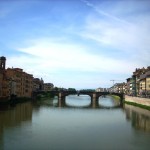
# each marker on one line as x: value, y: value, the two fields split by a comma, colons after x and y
x: 138, y: 100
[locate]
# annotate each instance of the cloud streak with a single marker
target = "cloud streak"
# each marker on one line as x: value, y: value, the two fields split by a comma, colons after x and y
x: 101, y: 12
x: 131, y: 39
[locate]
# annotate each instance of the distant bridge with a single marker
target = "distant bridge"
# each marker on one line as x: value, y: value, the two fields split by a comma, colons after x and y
x: 94, y: 95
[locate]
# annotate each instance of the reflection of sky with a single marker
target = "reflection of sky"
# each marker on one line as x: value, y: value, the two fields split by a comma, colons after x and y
x: 70, y: 128
x: 84, y: 100
x: 107, y: 101
x: 85, y: 129
x: 78, y: 101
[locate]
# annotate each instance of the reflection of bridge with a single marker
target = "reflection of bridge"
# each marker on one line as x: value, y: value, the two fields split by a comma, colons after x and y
x: 90, y: 104
x: 94, y: 95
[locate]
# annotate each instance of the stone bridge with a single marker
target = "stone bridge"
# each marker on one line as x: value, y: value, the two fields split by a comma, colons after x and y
x: 60, y: 94
x: 94, y: 95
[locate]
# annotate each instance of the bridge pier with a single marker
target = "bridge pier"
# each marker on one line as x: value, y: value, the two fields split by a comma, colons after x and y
x: 94, y: 97
x: 94, y: 100
x: 121, y: 103
x: 61, y: 99
x: 61, y: 103
x: 94, y: 103
x: 61, y: 96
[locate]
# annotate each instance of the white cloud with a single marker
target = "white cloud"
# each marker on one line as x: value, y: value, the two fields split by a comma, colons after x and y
x: 57, y: 56
x: 66, y: 62
x: 131, y: 38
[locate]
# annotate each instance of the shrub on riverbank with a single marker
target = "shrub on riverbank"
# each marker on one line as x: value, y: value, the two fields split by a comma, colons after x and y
x: 138, y: 105
x: 45, y: 96
x: 115, y: 97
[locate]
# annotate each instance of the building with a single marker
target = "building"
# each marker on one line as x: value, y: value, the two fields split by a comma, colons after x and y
x: 4, y: 84
x: 48, y: 86
x: 99, y: 89
x: 136, y: 75
x: 14, y: 81
x: 144, y: 84
x: 148, y: 81
x: 38, y: 84
x: 21, y: 83
x: 128, y: 88
x: 139, y: 82
x: 133, y: 87
x: 118, y: 88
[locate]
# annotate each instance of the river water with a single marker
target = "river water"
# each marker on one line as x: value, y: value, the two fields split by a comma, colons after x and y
x: 74, y: 125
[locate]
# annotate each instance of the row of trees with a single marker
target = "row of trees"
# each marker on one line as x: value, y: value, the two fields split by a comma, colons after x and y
x: 73, y: 89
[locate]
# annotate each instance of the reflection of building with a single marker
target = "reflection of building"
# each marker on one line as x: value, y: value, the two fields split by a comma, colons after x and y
x: 14, y: 117
x: 140, y: 118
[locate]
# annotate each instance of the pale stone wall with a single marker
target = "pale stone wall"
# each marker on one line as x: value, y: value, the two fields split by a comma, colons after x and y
x: 148, y: 84
x: 138, y: 100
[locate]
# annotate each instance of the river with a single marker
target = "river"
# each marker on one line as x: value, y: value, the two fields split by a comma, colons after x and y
x: 74, y: 125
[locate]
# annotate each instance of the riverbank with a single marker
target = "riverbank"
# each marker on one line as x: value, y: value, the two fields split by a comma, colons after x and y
x: 14, y: 100
x: 115, y: 97
x: 138, y: 101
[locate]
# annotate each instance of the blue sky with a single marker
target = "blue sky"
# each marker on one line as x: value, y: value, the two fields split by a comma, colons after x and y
x: 76, y: 43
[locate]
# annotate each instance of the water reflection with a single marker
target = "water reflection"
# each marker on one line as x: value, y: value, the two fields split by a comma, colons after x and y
x: 84, y: 101
x: 78, y: 101
x: 108, y: 101
x: 45, y: 125
x: 12, y: 117
x: 140, y: 118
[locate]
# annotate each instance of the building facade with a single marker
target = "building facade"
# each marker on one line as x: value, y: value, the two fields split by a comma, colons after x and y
x: 4, y: 84
x: 38, y: 84
x: 14, y: 81
x: 21, y: 83
x: 139, y: 82
x: 48, y: 86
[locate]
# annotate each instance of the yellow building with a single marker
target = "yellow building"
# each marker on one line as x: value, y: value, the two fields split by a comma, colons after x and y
x: 145, y: 83
x: 148, y: 81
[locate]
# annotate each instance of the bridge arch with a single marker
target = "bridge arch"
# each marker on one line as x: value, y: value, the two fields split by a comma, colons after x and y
x: 93, y: 95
